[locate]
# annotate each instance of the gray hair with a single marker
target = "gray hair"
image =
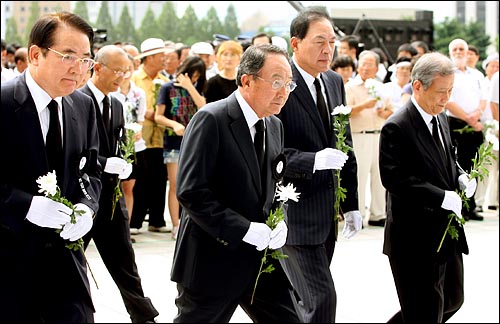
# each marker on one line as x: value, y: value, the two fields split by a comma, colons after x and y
x: 254, y: 57
x: 369, y: 53
x: 431, y: 65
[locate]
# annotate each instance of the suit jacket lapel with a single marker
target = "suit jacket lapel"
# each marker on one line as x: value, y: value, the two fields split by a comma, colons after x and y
x: 243, y: 139
x: 427, y: 143
x: 445, y: 128
x: 303, y: 95
x: 28, y: 115
x: 103, y: 134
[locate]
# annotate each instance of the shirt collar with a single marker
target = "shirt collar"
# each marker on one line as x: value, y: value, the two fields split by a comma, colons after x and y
x: 40, y: 96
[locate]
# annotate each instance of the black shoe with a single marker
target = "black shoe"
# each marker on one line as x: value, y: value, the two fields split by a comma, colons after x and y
x: 473, y: 216
x: 380, y: 222
x: 492, y: 207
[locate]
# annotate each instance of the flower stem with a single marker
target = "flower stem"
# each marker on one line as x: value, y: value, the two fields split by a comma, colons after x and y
x: 444, y: 234
x: 258, y: 275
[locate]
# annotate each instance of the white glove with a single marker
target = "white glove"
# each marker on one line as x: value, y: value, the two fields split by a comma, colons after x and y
x: 278, y: 236
x: 468, y: 185
x: 352, y: 223
x: 45, y: 212
x: 453, y: 202
x: 115, y: 165
x: 329, y: 158
x: 259, y: 234
x: 126, y: 173
x: 82, y: 226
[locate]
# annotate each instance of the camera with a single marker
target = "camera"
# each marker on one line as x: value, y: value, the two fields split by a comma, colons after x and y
x: 100, y: 35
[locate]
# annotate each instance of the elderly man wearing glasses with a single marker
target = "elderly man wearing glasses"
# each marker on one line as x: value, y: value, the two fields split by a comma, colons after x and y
x: 47, y: 126
x: 226, y: 193
x: 111, y: 231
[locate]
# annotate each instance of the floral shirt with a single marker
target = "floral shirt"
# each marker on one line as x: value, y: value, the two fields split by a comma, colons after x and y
x: 134, y: 104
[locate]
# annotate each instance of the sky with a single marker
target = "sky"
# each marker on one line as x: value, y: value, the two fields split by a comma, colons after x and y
x: 279, y: 10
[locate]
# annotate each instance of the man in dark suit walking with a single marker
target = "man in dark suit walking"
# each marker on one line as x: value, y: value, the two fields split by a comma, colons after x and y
x: 421, y: 175
x: 226, y: 199
x: 309, y: 147
x: 111, y: 231
x: 46, y: 125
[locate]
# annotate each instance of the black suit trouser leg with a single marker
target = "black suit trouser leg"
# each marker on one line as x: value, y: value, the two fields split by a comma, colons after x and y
x: 150, y: 189
x: 112, y: 240
x: 308, y: 267
x: 432, y: 296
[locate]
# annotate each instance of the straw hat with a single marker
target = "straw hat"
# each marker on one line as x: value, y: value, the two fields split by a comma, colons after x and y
x: 152, y: 46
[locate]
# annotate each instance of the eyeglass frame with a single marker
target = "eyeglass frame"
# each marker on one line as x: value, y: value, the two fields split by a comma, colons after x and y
x: 118, y: 73
x: 72, y: 59
x: 278, y: 84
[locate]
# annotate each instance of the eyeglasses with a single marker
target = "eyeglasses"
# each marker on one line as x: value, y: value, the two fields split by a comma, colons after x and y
x: 68, y: 59
x: 278, y: 84
x: 118, y: 73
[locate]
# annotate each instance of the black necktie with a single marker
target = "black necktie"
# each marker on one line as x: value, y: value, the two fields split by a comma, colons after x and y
x: 435, y: 135
x: 53, y: 144
x: 321, y: 104
x: 105, y: 112
x: 258, y: 142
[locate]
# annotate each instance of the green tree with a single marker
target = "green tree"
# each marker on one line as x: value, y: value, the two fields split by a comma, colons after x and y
x: 168, y: 23
x: 189, y: 26
x: 11, y: 33
x: 125, y: 30
x: 149, y: 26
x: 472, y: 33
x: 34, y: 15
x: 211, y: 24
x: 231, y: 28
x: 81, y: 10
x: 104, y: 21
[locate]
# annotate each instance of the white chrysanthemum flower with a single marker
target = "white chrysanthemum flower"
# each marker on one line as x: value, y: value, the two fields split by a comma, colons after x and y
x: 344, y: 110
x: 48, y: 184
x: 135, y: 127
x: 491, y: 138
x: 288, y: 192
x: 370, y: 83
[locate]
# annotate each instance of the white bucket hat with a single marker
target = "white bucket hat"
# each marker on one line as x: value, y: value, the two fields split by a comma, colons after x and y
x: 152, y: 46
x: 202, y: 48
x: 490, y: 58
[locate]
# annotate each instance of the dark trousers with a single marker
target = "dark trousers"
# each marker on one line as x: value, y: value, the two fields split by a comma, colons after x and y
x: 149, y: 189
x: 308, y: 267
x: 428, y: 291
x: 272, y: 302
x: 467, y: 147
x: 112, y: 240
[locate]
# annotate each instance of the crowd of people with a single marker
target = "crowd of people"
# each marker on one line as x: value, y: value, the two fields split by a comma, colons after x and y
x: 220, y: 128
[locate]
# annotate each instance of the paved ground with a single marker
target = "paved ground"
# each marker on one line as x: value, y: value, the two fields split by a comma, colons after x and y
x: 363, y: 279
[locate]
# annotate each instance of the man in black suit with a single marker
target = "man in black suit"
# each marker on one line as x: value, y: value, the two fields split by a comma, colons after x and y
x: 421, y: 175
x: 312, y: 159
x: 111, y: 231
x: 46, y: 125
x: 226, y: 199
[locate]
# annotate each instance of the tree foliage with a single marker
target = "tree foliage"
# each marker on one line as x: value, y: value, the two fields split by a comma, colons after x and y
x: 12, y: 34
x: 472, y: 33
x: 125, y: 30
x: 104, y: 21
x: 34, y: 14
x: 168, y: 22
x: 231, y: 28
x: 81, y: 10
